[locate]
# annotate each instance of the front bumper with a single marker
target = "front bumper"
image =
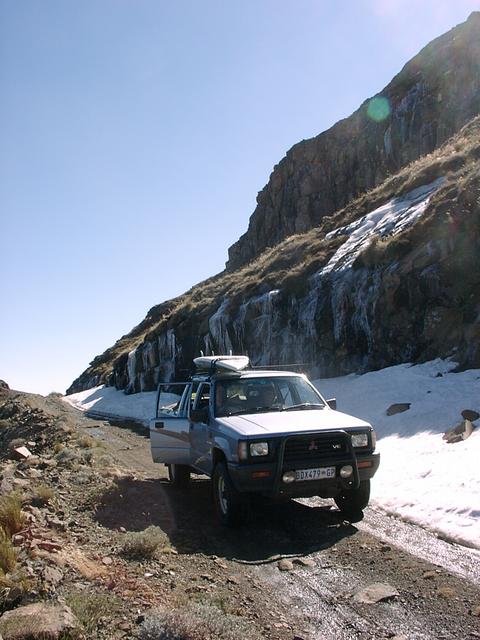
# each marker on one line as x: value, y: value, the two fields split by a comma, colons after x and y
x: 266, y: 478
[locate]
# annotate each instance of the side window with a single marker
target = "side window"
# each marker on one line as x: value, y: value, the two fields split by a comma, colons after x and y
x: 171, y: 399
x: 193, y: 396
x: 203, y: 397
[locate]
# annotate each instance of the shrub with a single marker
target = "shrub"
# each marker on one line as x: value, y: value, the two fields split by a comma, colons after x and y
x: 67, y: 457
x: 58, y: 446
x: 42, y: 495
x: 143, y: 544
x: 11, y: 517
x: 89, y: 607
x: 13, y: 588
x: 196, y: 622
x: 85, y: 442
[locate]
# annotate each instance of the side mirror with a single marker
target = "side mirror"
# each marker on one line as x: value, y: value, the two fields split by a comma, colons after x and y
x: 332, y: 403
x: 199, y: 415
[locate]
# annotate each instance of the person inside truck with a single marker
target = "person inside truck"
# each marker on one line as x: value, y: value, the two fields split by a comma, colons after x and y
x: 267, y: 395
x: 227, y: 400
x: 261, y: 396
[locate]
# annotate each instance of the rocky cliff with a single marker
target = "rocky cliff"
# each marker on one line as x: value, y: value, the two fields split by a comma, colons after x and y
x: 393, y: 277
x: 433, y: 96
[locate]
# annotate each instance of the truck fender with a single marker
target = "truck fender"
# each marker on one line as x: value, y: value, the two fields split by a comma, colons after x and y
x: 220, y: 448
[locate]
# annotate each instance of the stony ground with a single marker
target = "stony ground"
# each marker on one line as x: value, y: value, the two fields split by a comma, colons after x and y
x: 294, y: 571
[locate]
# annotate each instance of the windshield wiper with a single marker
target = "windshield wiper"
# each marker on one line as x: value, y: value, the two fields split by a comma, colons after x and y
x: 254, y: 410
x: 304, y: 405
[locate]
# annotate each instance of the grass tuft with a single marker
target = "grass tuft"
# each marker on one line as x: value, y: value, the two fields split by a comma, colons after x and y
x: 8, y: 554
x: 42, y: 495
x: 12, y: 519
x: 196, y: 622
x: 89, y: 607
x: 67, y: 457
x: 143, y: 544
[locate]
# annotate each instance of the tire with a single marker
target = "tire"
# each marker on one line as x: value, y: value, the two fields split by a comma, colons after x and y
x: 230, y: 504
x: 179, y: 475
x: 354, y: 501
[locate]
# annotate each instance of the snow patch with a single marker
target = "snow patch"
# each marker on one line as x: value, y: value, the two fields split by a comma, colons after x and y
x: 388, y: 220
x: 421, y: 478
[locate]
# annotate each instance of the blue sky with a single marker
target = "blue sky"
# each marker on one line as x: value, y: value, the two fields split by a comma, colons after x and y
x: 136, y: 135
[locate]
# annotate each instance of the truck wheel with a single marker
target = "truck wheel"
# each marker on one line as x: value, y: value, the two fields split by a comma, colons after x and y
x: 353, y: 501
x: 179, y: 475
x: 230, y: 504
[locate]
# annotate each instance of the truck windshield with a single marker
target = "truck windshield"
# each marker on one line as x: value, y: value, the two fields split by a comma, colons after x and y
x: 254, y: 395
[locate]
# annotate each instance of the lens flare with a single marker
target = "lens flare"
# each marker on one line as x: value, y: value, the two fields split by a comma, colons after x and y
x: 378, y: 108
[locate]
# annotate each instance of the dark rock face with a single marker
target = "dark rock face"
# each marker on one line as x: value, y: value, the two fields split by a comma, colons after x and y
x: 416, y: 298
x: 433, y: 96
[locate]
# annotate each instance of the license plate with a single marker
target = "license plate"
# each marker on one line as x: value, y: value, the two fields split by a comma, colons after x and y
x: 314, y: 474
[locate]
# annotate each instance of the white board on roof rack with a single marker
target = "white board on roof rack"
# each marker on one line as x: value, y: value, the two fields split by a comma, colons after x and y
x: 227, y: 363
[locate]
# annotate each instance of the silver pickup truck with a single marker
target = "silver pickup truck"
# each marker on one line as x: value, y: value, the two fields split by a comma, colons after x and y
x: 261, y: 432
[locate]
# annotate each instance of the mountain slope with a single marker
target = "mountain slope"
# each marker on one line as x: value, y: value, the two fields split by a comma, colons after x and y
x: 392, y: 277
x: 433, y: 96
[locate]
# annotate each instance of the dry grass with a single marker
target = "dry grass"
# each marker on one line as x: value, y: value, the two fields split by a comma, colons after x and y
x: 196, y: 622
x: 85, y: 442
x: 42, y: 495
x: 12, y: 519
x: 90, y: 607
x: 143, y: 544
x: 67, y: 457
x: 8, y: 554
x: 14, y: 587
x: 26, y: 629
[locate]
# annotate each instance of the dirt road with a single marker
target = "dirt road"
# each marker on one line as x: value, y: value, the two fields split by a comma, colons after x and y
x: 429, y: 588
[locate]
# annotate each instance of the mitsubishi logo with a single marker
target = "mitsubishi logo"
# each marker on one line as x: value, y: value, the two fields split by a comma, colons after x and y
x: 313, y: 446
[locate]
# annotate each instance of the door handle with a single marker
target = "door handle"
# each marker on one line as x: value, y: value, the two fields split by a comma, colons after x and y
x: 159, y: 425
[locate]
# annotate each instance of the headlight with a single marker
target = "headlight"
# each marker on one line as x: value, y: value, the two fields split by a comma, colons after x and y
x: 360, y: 439
x: 259, y: 449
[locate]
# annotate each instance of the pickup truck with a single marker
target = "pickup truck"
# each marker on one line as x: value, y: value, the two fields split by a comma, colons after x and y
x: 261, y: 432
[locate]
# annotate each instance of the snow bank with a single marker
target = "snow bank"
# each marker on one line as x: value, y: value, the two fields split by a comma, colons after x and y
x: 421, y: 478
x: 111, y: 402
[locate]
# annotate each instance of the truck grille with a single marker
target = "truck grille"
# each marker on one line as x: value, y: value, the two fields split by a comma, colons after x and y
x: 310, y: 448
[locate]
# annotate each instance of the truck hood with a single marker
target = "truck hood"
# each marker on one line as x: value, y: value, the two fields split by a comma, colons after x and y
x: 281, y: 422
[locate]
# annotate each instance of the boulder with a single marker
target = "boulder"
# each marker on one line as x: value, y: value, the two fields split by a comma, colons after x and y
x: 38, y: 621
x: 460, y: 432
x: 375, y: 592
x: 469, y: 414
x: 21, y: 453
x: 285, y: 565
x: 398, y: 407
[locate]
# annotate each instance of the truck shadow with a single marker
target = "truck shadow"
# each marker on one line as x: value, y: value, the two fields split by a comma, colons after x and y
x: 189, y: 519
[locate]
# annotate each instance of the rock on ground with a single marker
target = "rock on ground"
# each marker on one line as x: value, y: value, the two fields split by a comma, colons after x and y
x: 38, y: 621
x: 376, y: 592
